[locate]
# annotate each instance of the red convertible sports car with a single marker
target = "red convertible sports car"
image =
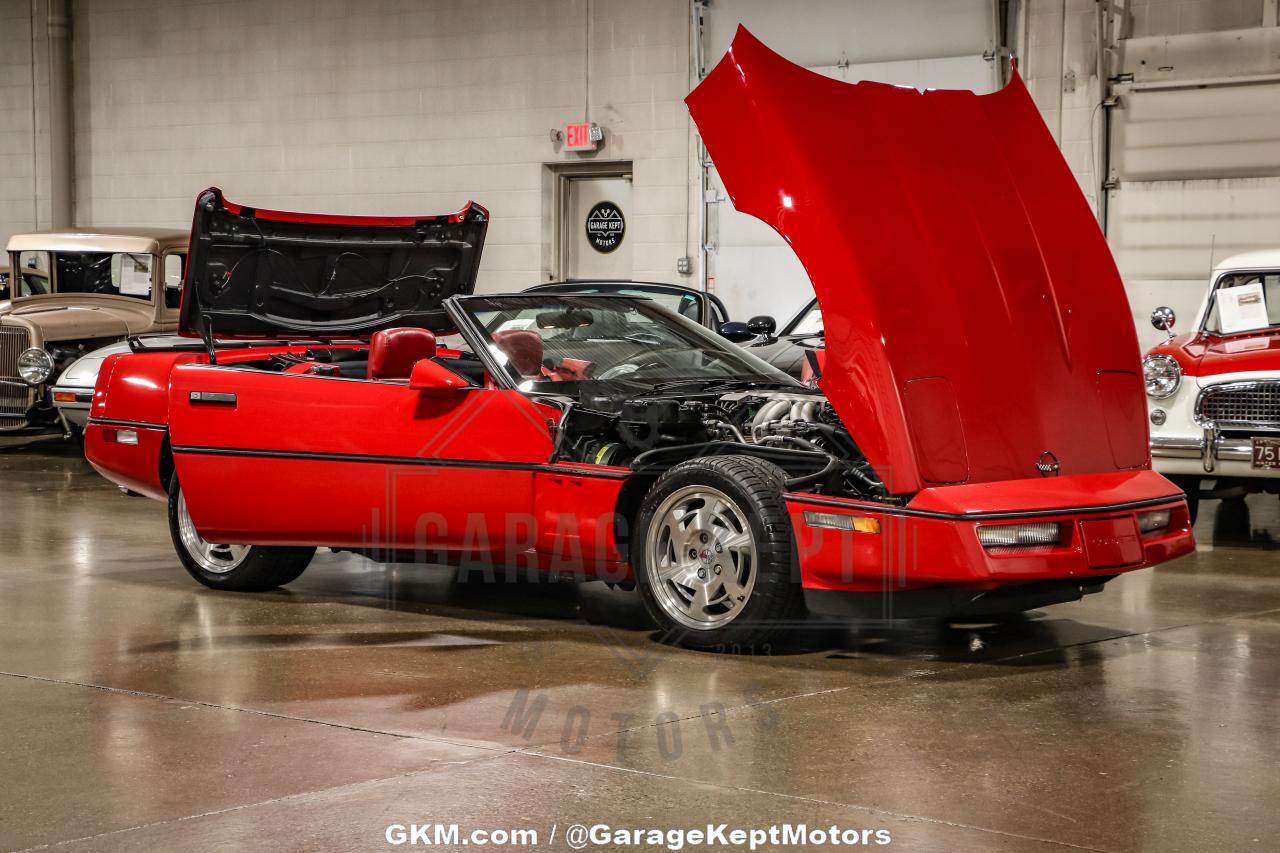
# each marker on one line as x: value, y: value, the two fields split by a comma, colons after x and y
x: 977, y: 443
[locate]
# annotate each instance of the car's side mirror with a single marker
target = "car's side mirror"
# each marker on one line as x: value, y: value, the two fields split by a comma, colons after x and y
x: 1163, y: 318
x: 736, y: 331
x: 762, y: 325
x: 435, y: 380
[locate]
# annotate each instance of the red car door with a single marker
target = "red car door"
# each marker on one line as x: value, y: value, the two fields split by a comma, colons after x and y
x: 296, y: 459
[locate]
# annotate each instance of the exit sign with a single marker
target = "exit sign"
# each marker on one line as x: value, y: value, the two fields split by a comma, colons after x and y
x: 582, y: 137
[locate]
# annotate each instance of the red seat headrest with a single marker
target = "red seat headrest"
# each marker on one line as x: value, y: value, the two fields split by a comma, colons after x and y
x: 394, y: 352
x: 523, y: 349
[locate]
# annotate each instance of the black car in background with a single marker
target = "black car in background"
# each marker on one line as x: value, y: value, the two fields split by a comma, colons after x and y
x: 787, y: 349
x: 704, y: 308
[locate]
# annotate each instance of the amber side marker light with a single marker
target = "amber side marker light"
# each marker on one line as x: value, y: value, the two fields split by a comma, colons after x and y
x: 1150, y: 522
x: 64, y: 397
x: 836, y: 521
x: 1040, y: 533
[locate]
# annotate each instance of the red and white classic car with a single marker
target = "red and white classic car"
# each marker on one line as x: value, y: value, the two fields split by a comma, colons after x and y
x: 607, y: 436
x: 1214, y: 391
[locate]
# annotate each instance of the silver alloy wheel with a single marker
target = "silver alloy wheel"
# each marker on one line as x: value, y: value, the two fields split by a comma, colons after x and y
x: 217, y: 559
x: 700, y: 557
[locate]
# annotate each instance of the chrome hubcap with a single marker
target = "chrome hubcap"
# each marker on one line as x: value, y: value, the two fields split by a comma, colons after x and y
x: 701, y: 557
x: 218, y: 559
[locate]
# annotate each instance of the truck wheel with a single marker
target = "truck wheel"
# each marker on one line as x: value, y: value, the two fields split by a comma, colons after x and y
x: 241, y: 568
x: 713, y: 553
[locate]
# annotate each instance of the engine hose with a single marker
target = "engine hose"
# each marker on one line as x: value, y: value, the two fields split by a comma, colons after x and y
x: 836, y: 436
x: 831, y: 467
x: 867, y: 483
x: 730, y: 427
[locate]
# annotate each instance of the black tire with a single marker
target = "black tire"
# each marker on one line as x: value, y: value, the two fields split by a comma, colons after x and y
x: 1191, y: 488
x: 256, y: 568
x: 773, y: 600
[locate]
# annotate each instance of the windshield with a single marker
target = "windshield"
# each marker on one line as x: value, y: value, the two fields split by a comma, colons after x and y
x: 1243, y: 302
x: 605, y: 346
x: 807, y: 322
x: 112, y: 273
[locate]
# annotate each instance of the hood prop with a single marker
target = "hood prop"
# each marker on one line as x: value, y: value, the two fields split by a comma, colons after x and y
x: 206, y: 335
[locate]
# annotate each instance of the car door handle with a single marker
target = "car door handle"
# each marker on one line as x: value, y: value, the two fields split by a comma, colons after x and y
x: 212, y: 398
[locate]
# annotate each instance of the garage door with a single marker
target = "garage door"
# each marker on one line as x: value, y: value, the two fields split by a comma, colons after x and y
x: 1197, y: 179
x: 752, y: 269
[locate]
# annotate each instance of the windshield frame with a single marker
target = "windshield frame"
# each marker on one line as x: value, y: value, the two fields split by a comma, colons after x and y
x: 475, y: 334
x: 708, y: 303
x: 800, y: 315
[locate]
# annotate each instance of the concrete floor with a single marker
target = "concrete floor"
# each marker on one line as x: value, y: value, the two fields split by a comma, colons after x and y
x: 139, y: 711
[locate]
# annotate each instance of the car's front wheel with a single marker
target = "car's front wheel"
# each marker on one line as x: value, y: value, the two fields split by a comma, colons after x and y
x: 714, y: 554
x: 240, y: 568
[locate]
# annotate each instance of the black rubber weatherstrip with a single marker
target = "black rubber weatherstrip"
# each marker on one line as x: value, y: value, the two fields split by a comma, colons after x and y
x: 980, y: 516
x: 425, y: 461
x: 113, y: 422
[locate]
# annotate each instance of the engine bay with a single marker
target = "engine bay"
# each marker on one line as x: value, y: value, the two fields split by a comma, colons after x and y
x: 799, y: 431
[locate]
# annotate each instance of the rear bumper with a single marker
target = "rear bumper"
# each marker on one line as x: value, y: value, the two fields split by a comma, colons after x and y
x: 129, y: 454
x: 932, y: 542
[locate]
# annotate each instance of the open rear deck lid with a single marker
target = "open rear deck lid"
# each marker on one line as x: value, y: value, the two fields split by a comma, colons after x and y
x: 256, y: 273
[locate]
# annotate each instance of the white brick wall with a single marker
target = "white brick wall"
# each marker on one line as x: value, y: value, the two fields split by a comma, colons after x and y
x: 17, y: 149
x: 381, y: 106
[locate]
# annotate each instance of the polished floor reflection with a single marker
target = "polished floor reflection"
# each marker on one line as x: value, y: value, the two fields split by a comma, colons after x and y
x: 140, y: 711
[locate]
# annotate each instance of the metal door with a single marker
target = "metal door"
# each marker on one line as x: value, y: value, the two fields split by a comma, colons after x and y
x: 594, y: 228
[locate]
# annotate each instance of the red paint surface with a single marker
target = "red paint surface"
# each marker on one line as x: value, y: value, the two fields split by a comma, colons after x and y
x: 945, y: 237
x: 1208, y: 355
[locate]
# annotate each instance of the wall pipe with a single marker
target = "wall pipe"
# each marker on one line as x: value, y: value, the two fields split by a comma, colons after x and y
x: 697, y: 11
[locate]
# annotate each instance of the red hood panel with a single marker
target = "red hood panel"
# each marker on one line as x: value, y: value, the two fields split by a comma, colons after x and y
x: 1206, y: 356
x: 974, y: 315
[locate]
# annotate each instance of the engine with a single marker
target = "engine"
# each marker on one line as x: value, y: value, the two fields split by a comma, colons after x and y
x: 796, y: 430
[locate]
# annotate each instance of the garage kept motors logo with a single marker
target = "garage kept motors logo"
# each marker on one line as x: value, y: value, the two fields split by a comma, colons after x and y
x: 605, y: 227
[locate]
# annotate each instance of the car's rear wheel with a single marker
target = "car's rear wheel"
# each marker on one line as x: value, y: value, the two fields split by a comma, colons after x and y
x: 240, y: 568
x: 714, y: 554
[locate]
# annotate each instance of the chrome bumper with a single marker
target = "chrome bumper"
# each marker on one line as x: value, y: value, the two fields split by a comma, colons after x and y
x: 1210, y: 448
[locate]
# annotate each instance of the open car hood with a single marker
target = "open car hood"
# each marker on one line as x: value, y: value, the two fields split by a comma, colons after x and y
x: 976, y: 326
x: 270, y: 274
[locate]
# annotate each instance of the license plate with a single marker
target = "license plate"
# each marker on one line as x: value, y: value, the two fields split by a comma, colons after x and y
x: 1266, y: 453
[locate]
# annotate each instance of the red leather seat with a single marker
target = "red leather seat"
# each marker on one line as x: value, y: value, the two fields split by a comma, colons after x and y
x: 394, y: 352
x: 523, y: 349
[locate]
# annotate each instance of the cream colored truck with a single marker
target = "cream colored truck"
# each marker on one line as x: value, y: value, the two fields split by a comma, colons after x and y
x: 71, y: 292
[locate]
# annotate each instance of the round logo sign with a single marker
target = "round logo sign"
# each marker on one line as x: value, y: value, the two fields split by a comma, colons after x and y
x: 605, y: 227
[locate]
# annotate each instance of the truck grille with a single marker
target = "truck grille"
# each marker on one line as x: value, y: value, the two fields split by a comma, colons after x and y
x: 1242, y: 405
x: 16, y: 397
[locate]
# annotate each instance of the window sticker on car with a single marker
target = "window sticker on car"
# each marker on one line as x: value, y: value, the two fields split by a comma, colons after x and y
x: 1242, y: 308
x: 135, y: 276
